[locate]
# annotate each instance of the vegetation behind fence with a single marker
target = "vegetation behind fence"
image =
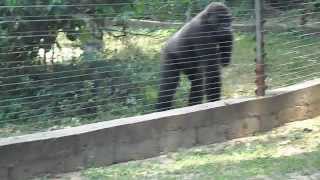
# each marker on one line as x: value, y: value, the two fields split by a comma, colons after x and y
x: 70, y: 63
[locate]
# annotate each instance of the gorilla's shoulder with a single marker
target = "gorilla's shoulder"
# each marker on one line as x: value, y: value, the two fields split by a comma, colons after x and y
x: 217, y: 5
x: 190, y: 27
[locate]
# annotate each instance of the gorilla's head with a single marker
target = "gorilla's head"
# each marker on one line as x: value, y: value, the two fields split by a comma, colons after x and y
x: 217, y: 16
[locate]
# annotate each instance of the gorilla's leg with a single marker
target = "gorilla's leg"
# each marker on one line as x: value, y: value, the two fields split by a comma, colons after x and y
x: 213, y: 82
x: 168, y: 85
x: 195, y: 76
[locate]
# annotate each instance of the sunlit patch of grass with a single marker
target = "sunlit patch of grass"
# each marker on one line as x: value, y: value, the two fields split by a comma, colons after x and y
x: 134, y: 45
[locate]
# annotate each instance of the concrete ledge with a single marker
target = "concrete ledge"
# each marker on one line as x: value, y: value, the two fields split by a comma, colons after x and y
x: 150, y: 135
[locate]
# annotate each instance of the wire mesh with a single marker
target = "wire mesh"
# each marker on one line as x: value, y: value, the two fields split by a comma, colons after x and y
x: 293, y: 49
x: 68, y: 63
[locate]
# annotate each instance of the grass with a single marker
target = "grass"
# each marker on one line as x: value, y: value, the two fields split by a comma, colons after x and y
x: 292, y: 57
x: 286, y: 152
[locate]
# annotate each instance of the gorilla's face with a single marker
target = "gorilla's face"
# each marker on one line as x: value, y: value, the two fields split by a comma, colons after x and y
x: 224, y: 21
x: 218, y: 18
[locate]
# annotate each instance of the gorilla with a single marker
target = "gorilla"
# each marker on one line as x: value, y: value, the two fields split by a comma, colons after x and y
x: 199, y: 50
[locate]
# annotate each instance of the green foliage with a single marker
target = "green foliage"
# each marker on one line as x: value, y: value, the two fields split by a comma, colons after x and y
x: 29, y: 25
x: 74, y: 90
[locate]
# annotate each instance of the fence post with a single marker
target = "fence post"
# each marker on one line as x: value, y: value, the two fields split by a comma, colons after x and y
x: 260, y: 54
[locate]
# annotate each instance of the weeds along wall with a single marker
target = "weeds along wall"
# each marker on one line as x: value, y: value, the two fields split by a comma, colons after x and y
x: 68, y: 63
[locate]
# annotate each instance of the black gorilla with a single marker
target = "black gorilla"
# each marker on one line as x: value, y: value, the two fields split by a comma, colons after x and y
x: 198, y: 49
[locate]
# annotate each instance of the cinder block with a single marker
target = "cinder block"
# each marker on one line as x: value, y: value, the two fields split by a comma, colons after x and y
x: 48, y: 149
x: 314, y: 109
x: 135, y: 151
x: 27, y: 170
x: 10, y: 155
x: 268, y: 122
x: 212, y: 134
x: 243, y: 127
x: 4, y: 173
x: 177, y: 122
x: 97, y: 148
x: 293, y: 114
x: 173, y: 140
x: 138, y: 132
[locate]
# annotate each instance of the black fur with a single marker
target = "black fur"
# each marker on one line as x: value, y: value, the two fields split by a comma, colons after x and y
x: 198, y: 49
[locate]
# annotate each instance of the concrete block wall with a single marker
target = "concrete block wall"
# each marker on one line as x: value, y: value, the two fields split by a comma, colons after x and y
x: 150, y: 135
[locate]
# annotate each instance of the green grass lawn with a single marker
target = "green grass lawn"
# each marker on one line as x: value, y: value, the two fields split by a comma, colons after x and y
x: 287, y: 152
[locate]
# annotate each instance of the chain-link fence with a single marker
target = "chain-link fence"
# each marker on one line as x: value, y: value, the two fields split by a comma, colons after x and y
x: 71, y: 63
